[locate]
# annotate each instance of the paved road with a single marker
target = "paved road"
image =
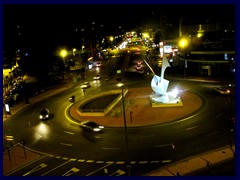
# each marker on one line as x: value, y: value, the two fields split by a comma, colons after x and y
x: 19, y: 156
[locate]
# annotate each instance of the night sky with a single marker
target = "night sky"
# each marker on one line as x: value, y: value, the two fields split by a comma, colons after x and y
x: 42, y: 25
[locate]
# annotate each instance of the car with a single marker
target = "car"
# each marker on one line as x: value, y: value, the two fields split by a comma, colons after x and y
x: 97, y: 77
x: 138, y: 67
x: 85, y: 85
x: 140, y: 71
x: 72, y: 98
x: 91, y: 126
x: 44, y: 114
x: 139, y: 62
x: 98, y: 64
x: 225, y: 90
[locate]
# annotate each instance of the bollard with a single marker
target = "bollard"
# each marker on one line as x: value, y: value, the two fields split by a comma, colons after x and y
x: 24, y: 151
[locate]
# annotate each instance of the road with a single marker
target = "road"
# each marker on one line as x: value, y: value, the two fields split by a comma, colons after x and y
x: 64, y: 145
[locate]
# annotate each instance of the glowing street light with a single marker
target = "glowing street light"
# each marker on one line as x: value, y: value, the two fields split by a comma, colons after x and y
x: 63, y: 53
x: 183, y: 43
x: 111, y: 39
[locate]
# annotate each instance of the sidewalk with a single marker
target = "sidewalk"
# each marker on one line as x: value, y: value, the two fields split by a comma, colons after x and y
x: 18, y: 157
x: 191, y: 165
x: 50, y: 92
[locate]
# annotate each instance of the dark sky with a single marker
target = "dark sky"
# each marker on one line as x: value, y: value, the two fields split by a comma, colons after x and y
x: 45, y: 23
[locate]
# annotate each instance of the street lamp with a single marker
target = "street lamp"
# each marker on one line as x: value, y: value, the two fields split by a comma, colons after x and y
x: 125, y: 127
x: 183, y: 43
x: 63, y: 53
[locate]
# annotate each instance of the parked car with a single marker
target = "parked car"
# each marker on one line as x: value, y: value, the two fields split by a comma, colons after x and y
x: 44, y: 114
x: 85, y: 85
x: 91, y: 126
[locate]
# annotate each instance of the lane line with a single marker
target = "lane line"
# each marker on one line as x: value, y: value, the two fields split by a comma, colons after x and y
x: 191, y: 128
x: 65, y: 144
x: 69, y: 132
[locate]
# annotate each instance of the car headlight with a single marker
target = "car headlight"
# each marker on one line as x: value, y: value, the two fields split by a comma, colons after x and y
x: 96, y: 129
x: 40, y: 116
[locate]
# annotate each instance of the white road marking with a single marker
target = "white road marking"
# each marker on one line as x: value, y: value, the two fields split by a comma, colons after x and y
x: 98, y: 170
x: 69, y: 132
x: 65, y: 144
x: 191, y: 128
x: 111, y: 148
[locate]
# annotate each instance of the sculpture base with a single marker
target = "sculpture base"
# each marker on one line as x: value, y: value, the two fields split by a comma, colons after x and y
x: 177, y: 102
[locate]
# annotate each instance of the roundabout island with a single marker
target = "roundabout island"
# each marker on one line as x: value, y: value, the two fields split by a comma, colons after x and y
x: 138, y: 109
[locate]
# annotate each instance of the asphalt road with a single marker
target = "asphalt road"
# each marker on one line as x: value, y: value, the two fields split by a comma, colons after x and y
x: 59, y: 137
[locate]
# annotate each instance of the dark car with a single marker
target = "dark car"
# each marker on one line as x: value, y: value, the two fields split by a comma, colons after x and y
x: 72, y: 99
x: 44, y: 114
x: 91, y: 126
x: 225, y: 90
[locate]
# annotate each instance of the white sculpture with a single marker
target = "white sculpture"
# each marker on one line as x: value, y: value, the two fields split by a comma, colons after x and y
x: 160, y: 85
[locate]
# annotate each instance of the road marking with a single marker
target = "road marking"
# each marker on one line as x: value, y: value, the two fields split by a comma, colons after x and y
x: 40, y: 166
x: 65, y: 158
x: 120, y: 162
x: 65, y: 144
x: 210, y: 134
x: 154, y: 161
x: 90, y: 161
x: 66, y: 115
x: 55, y: 168
x: 98, y: 169
x: 109, y: 162
x: 191, y: 128
x: 143, y: 162
x: 99, y: 162
x: 69, y: 132
x: 111, y: 148
x: 119, y: 172
x: 71, y: 171
x: 73, y: 159
x: 166, y: 161
x: 133, y: 162
x: 162, y: 145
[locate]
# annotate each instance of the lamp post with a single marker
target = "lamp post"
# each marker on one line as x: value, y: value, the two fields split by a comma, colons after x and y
x: 125, y: 128
x: 63, y: 53
x: 183, y: 43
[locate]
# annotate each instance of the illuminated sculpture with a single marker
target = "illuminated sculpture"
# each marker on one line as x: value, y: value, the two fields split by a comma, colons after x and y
x: 160, y: 86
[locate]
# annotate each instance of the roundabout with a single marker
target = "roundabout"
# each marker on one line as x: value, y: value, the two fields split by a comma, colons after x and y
x: 139, y: 111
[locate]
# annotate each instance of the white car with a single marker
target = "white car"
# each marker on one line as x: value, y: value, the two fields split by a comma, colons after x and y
x: 91, y: 126
x: 85, y: 85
